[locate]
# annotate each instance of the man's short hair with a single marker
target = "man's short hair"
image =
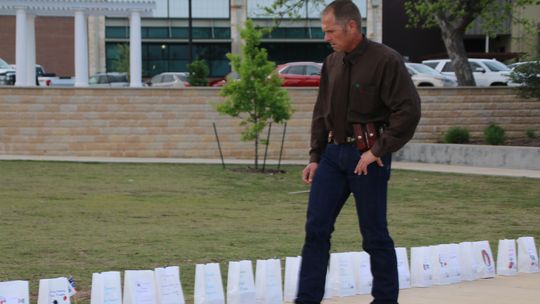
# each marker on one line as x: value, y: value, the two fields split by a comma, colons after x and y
x: 344, y: 10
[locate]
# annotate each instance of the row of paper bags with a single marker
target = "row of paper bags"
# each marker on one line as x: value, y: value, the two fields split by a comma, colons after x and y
x: 349, y: 274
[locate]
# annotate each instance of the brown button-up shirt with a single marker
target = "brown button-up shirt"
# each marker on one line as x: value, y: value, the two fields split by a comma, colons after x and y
x: 369, y: 84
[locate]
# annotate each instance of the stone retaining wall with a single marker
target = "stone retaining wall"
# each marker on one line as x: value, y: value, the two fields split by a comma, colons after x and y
x: 176, y: 123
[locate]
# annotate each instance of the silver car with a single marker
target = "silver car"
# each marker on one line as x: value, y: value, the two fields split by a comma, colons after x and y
x: 170, y: 80
x: 425, y: 76
x: 109, y: 80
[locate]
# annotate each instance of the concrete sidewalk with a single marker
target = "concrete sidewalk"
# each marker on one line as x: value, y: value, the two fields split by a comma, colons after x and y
x: 520, y: 289
x: 272, y: 163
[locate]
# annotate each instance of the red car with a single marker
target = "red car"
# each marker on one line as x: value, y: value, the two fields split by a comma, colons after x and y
x: 300, y: 74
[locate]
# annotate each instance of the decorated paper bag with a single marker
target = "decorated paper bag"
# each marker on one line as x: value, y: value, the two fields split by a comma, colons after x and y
x: 268, y: 288
x: 292, y: 272
x: 139, y: 287
x: 454, y: 264
x: 240, y: 283
x: 362, y: 272
x: 342, y: 281
x: 484, y: 258
x: 421, y: 270
x: 14, y: 292
x: 208, y: 284
x: 440, y: 266
x: 527, y: 256
x: 54, y: 291
x: 106, y: 288
x: 403, y: 268
x: 507, y: 258
x: 168, y: 286
x: 470, y: 269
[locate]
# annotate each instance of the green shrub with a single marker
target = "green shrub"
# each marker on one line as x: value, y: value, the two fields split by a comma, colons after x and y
x: 494, y: 134
x: 456, y: 135
x: 198, y: 73
x: 530, y: 133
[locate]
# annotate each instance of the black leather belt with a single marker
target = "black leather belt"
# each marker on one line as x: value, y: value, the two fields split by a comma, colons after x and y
x: 331, y: 140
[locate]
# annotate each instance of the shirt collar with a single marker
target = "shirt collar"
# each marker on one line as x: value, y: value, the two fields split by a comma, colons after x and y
x: 358, y: 51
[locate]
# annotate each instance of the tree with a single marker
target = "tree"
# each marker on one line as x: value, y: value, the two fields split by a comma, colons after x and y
x: 121, y: 63
x: 198, y: 73
x: 257, y: 96
x: 454, y: 16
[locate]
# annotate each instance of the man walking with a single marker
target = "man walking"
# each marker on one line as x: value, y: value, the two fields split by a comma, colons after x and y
x: 367, y: 108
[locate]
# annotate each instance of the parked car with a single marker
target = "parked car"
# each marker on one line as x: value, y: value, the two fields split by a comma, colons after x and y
x: 221, y: 82
x: 107, y: 80
x: 425, y: 76
x: 516, y: 64
x: 7, y: 73
x: 44, y: 79
x: 486, y: 72
x: 300, y: 74
x: 170, y: 80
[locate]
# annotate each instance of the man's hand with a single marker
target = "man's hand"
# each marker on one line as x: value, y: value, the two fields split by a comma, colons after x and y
x: 309, y: 172
x: 366, y: 159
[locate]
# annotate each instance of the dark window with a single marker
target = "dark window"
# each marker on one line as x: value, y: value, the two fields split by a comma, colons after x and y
x: 222, y: 33
x: 317, y: 33
x: 168, y: 78
x: 179, y: 32
x: 448, y: 67
x: 297, y: 32
x: 312, y: 70
x: 202, y: 33
x: 296, y: 70
x: 155, y: 32
x: 117, y: 32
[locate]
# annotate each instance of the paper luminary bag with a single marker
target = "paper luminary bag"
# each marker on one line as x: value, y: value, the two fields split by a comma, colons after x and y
x: 362, y: 272
x: 54, y: 291
x: 168, y: 285
x: 403, y: 268
x: 139, y: 287
x: 342, y: 281
x: 106, y: 288
x: 14, y: 292
x: 240, y: 283
x: 292, y: 272
x: 507, y: 258
x: 454, y: 263
x: 484, y: 258
x: 268, y: 288
x: 470, y: 269
x: 208, y: 284
x: 527, y: 255
x: 421, y: 269
x: 440, y: 265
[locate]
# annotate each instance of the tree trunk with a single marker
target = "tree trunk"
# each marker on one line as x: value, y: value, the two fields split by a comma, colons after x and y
x: 257, y: 152
x: 453, y: 40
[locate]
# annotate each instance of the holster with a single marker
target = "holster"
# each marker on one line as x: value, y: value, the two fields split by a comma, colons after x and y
x: 365, y: 135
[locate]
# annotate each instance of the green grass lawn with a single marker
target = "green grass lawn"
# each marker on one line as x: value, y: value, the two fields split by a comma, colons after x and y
x: 59, y: 219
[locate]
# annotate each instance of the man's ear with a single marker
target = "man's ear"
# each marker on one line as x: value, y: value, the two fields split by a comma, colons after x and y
x: 352, y: 26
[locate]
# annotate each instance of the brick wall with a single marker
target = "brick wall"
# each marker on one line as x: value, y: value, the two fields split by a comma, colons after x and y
x: 178, y: 123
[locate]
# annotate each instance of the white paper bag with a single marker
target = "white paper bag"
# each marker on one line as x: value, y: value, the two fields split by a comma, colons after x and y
x: 362, y: 272
x: 240, y: 283
x: 484, y: 258
x: 507, y: 258
x: 527, y: 256
x: 342, y: 281
x: 268, y: 282
x: 54, y: 291
x: 454, y: 263
x: 292, y: 272
x: 139, y: 287
x: 327, y: 284
x: 439, y: 261
x: 208, y: 284
x: 470, y: 269
x: 421, y: 269
x: 14, y: 292
x: 403, y: 268
x: 168, y: 285
x: 106, y: 288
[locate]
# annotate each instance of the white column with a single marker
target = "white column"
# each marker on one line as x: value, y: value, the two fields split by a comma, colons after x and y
x: 135, y: 58
x: 374, y: 20
x: 30, y: 51
x: 238, y: 18
x: 81, y: 50
x: 20, y: 47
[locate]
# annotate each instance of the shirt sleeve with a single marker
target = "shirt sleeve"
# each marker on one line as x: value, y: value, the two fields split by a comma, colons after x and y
x: 319, y: 133
x: 399, y: 94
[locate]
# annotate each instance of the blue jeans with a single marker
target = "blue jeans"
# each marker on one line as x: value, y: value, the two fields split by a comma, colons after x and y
x: 333, y: 182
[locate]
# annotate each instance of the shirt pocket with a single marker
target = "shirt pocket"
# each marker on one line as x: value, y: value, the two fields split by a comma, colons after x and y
x: 363, y: 99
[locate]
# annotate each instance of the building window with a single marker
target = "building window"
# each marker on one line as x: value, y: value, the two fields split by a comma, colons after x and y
x: 117, y: 32
x: 155, y: 32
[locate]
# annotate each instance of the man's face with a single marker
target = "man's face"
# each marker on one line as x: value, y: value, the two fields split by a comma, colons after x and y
x: 340, y: 37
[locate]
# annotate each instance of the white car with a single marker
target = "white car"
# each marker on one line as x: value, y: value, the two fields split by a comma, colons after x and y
x: 486, y: 72
x: 7, y: 73
x: 425, y: 76
x: 170, y: 80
